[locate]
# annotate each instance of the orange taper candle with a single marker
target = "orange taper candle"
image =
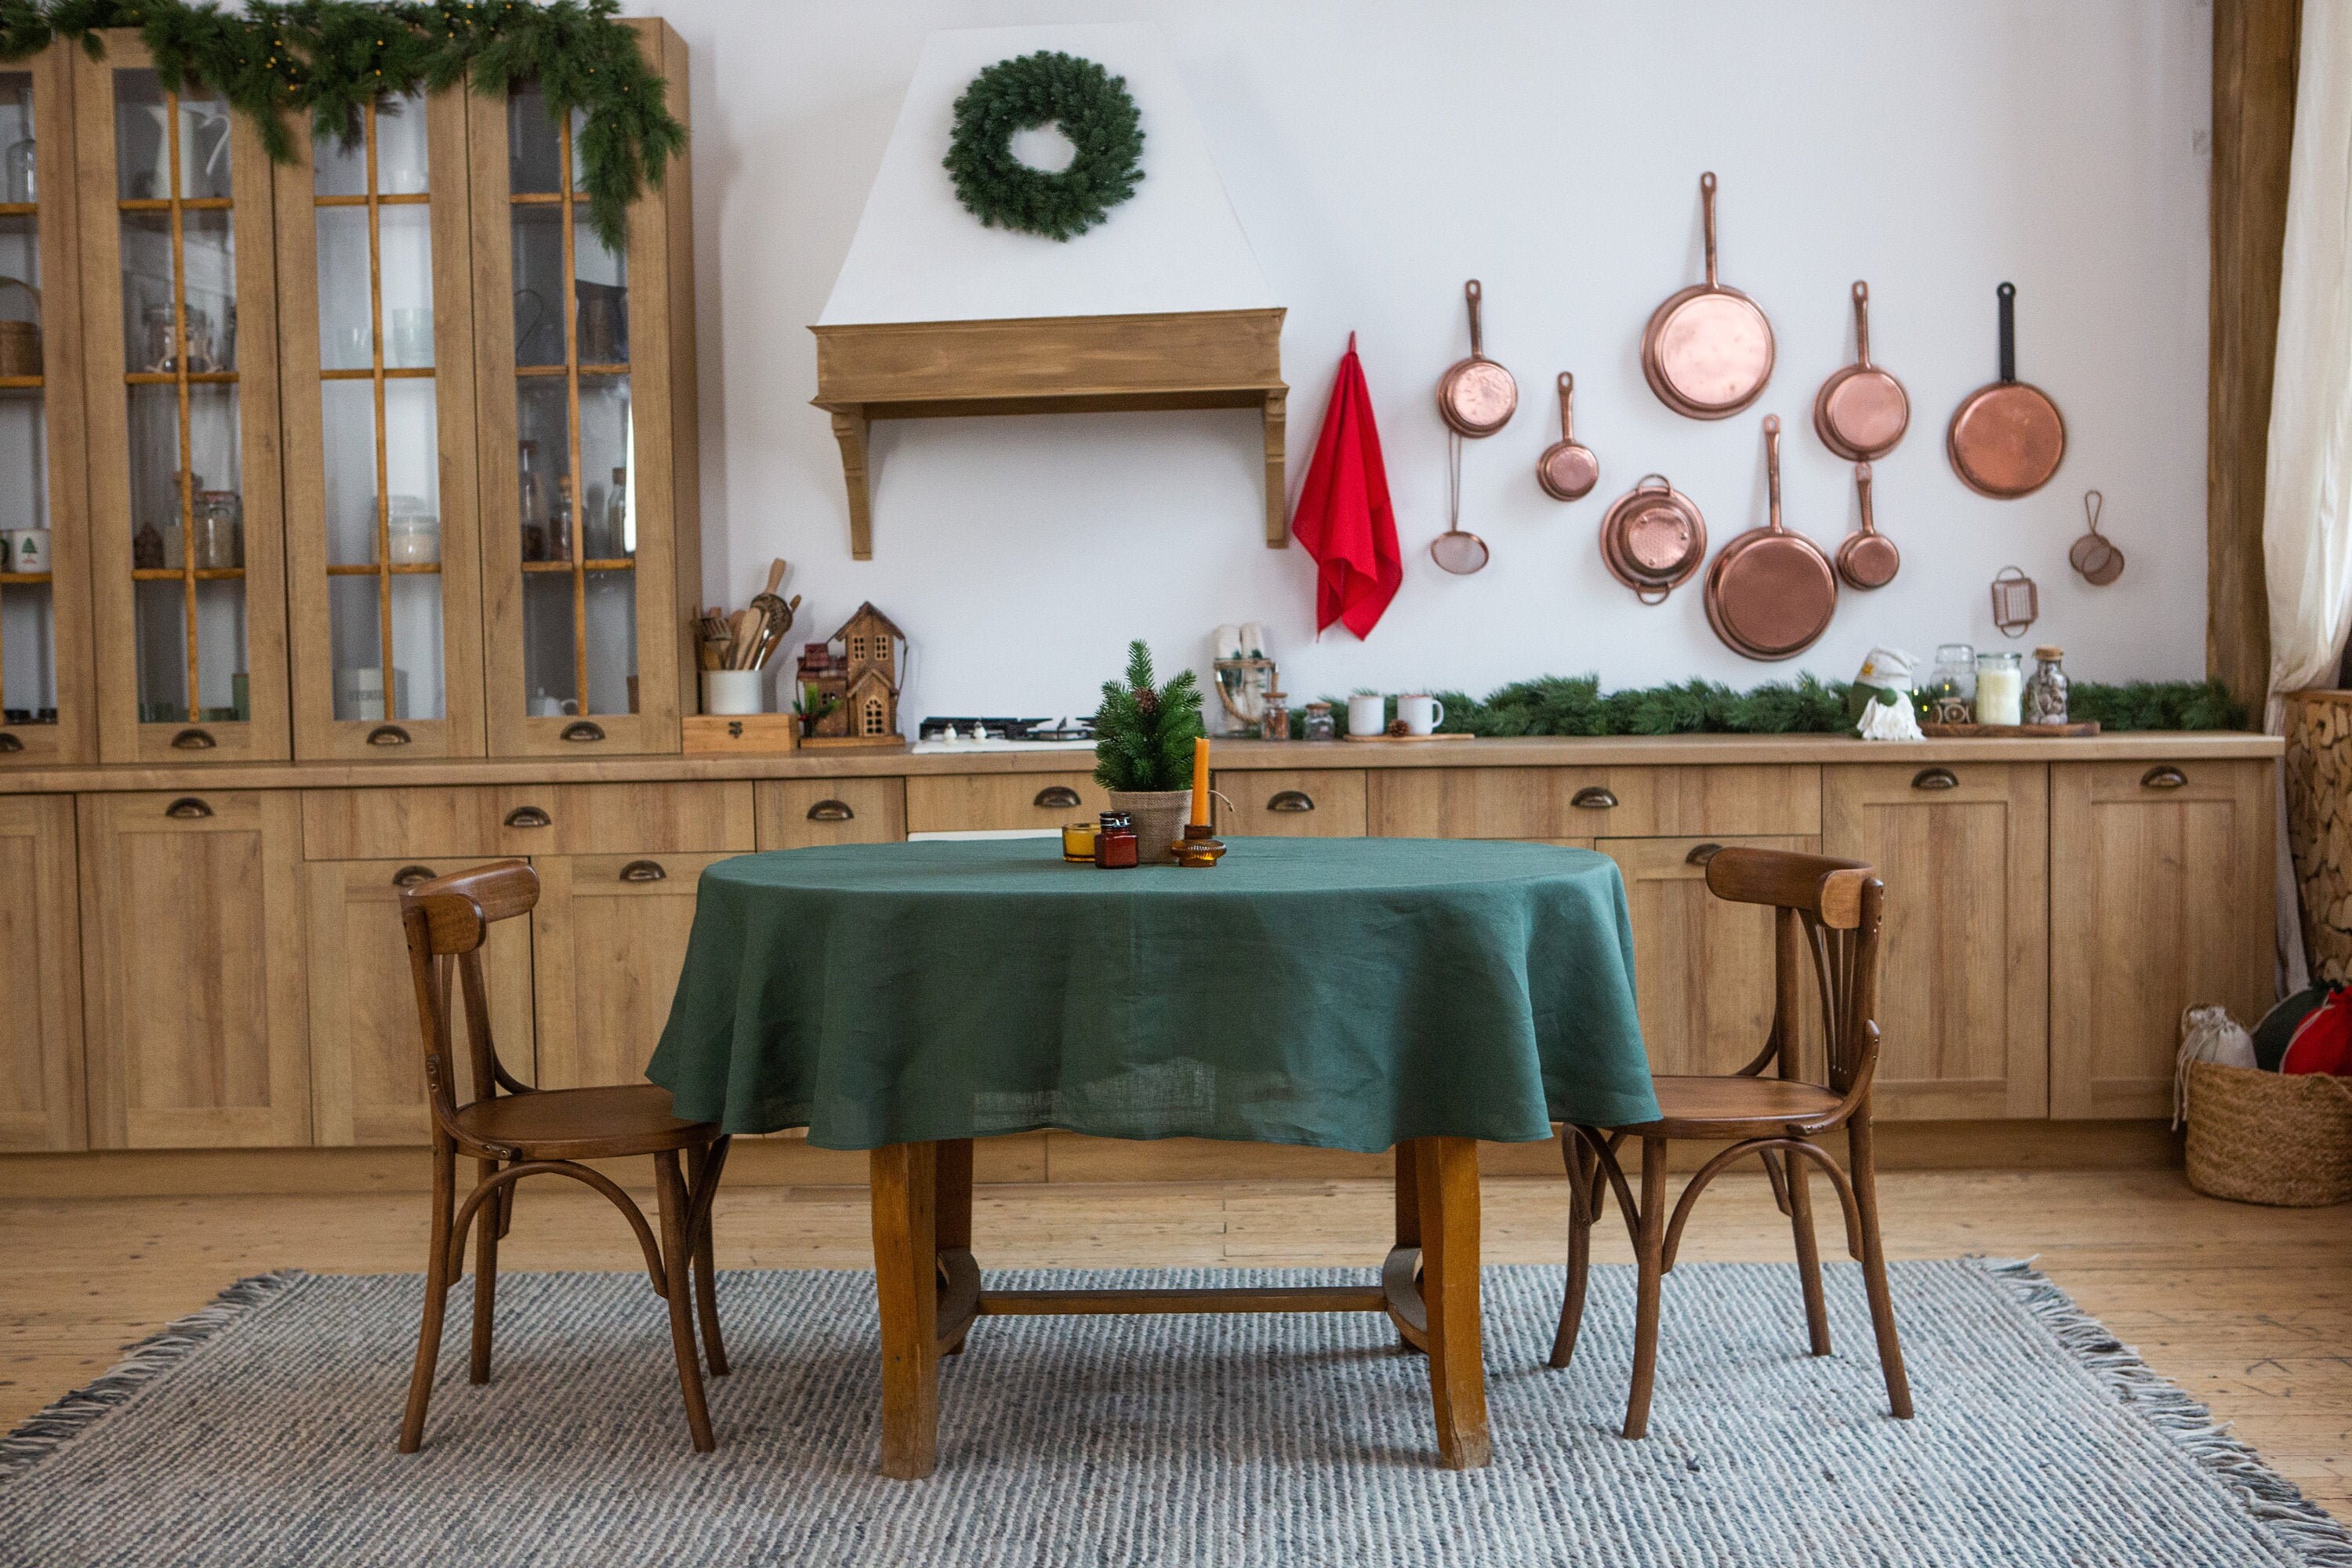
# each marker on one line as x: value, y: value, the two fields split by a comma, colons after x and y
x: 1201, y: 782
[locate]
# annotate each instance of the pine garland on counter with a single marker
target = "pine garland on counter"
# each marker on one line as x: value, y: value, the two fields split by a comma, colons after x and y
x: 329, y: 58
x: 1575, y: 705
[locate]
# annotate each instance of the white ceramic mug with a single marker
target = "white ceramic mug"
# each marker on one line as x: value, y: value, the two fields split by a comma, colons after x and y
x: 732, y: 691
x: 27, y: 550
x: 1367, y: 713
x: 1421, y: 714
x: 542, y: 706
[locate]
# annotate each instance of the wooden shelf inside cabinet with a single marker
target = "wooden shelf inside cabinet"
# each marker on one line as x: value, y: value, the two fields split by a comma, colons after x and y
x: 1050, y: 365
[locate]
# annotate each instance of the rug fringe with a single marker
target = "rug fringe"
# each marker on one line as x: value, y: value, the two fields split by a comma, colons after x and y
x: 2303, y: 1525
x: 141, y: 1364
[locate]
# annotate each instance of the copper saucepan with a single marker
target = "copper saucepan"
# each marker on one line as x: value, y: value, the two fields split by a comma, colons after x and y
x: 1868, y: 559
x: 1770, y: 593
x: 2006, y: 438
x: 1476, y: 396
x: 1568, y: 471
x: 1653, y: 539
x: 1707, y: 351
x: 1861, y: 411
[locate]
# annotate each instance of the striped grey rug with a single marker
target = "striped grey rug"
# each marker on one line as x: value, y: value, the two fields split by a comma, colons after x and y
x: 261, y: 1430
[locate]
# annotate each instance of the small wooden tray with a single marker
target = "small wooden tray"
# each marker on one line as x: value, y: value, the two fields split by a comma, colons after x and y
x: 2009, y: 731
x: 738, y: 734
x: 1407, y: 740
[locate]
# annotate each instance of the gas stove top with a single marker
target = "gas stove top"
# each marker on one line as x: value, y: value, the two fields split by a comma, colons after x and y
x: 981, y: 733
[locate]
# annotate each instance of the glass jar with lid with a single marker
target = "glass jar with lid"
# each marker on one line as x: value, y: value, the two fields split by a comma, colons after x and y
x: 1320, y: 725
x: 1951, y: 690
x: 2001, y: 688
x: 413, y: 533
x: 2046, y: 687
x: 216, y: 539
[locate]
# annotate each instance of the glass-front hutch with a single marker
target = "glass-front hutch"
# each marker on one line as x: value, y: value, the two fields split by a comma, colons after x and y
x: 47, y: 702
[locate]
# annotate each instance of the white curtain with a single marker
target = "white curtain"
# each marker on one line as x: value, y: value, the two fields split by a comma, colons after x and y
x: 2306, y: 522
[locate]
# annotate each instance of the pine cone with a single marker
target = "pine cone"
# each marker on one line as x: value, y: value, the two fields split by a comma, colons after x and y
x: 1147, y: 702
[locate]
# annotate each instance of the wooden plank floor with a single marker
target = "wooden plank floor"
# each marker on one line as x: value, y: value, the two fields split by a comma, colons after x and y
x: 2248, y: 1308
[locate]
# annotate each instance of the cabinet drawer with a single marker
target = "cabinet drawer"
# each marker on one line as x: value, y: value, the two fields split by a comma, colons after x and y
x: 1303, y: 803
x: 525, y: 819
x: 793, y: 814
x: 1576, y: 803
x: 966, y: 803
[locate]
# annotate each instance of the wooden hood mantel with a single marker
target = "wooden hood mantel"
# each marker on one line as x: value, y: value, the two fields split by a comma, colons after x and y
x: 1053, y: 364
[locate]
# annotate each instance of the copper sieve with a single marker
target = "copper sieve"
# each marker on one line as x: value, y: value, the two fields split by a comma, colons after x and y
x: 1653, y: 539
x: 2095, y: 555
x: 1770, y: 593
x: 1860, y: 412
x: 1707, y: 351
x: 1868, y: 559
x: 2006, y: 438
x: 1568, y: 471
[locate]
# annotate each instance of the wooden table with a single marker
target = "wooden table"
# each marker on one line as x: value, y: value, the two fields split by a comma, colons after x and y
x: 928, y: 1284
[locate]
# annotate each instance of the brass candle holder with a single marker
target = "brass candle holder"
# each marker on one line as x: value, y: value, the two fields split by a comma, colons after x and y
x: 1199, y: 846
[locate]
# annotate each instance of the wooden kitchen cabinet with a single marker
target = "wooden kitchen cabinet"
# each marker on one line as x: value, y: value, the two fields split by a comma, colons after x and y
x: 193, y: 942
x: 608, y: 939
x: 1593, y: 801
x: 1702, y: 967
x: 795, y: 814
x: 1300, y: 804
x: 1964, y: 967
x: 40, y: 985
x: 367, y: 1062
x: 964, y: 802
x: 2162, y: 876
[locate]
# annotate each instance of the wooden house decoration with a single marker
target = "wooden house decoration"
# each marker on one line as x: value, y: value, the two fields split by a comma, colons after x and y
x: 861, y: 680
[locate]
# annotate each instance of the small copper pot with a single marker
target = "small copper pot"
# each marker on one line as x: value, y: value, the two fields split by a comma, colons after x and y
x: 2006, y: 438
x: 1868, y: 559
x: 1476, y: 396
x: 1770, y: 593
x: 1860, y: 412
x: 1568, y: 471
x: 1707, y: 351
x: 1653, y: 539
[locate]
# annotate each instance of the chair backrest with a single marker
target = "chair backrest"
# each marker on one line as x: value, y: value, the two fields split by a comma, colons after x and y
x: 1827, y: 910
x: 446, y: 920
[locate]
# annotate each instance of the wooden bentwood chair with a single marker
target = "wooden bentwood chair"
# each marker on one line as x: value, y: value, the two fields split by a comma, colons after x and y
x: 1830, y: 909
x: 524, y: 1132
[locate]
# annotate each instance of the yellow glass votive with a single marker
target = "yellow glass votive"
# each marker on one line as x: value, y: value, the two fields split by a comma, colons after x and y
x: 1078, y: 843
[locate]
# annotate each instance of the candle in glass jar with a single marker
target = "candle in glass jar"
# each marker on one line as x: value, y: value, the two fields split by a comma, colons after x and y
x: 2000, y: 689
x: 1201, y: 782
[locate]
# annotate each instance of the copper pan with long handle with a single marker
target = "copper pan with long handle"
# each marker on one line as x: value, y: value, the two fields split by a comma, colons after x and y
x: 1707, y: 351
x: 1770, y: 593
x: 1568, y: 471
x: 2007, y: 437
x: 1868, y: 559
x: 1476, y: 396
x: 1861, y: 411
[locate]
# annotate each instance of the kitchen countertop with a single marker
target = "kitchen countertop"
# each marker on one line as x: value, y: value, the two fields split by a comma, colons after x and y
x: 1619, y: 750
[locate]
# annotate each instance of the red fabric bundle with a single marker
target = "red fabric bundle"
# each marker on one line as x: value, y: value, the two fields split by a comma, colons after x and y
x: 1344, y: 519
x: 2323, y: 1041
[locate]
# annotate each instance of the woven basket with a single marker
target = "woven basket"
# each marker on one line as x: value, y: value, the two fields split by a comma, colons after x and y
x: 20, y: 341
x: 2257, y: 1137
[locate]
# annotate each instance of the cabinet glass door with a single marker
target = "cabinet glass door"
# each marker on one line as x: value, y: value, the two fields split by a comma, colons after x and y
x: 46, y: 714
x: 382, y: 553
x: 580, y: 566
x: 184, y: 478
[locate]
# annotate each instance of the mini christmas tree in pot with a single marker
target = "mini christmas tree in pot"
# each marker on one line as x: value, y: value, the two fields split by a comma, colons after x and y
x: 1143, y: 749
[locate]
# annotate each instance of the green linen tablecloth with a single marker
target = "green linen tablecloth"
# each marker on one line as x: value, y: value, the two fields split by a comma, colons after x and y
x: 1344, y: 993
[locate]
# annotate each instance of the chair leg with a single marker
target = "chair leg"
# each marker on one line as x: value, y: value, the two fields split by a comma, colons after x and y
x: 669, y: 1188
x: 1861, y: 1168
x: 1649, y: 1256
x: 704, y: 1165
x: 436, y: 1296
x: 1581, y: 1163
x: 1809, y: 1256
x: 487, y: 1228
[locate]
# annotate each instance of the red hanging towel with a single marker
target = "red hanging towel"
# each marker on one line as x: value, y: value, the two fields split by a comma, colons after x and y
x: 1343, y: 518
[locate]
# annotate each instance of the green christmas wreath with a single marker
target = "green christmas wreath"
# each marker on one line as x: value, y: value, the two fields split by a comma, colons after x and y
x: 1093, y: 110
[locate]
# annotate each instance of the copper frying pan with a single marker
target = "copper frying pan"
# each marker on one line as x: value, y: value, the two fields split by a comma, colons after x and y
x: 1708, y: 350
x: 1868, y: 559
x: 1477, y: 397
x: 1861, y: 411
x: 1770, y: 593
x: 1568, y: 471
x: 2006, y: 438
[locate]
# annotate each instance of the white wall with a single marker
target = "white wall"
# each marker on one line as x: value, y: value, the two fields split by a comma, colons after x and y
x: 1379, y: 154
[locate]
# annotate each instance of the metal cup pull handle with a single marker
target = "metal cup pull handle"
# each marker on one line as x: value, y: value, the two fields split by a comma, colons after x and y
x: 1702, y: 852
x: 830, y: 811
x: 1935, y: 778
x: 409, y: 876
x: 187, y: 807
x: 1290, y: 800
x: 643, y: 871
x: 2166, y: 777
x: 194, y: 741
x: 1593, y: 797
x: 9, y: 743
x: 528, y: 816
x: 581, y: 729
x: 388, y: 735
x: 1056, y: 797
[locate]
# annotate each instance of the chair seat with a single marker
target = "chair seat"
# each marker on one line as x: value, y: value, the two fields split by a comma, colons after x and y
x: 582, y: 1123
x: 1695, y: 1107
